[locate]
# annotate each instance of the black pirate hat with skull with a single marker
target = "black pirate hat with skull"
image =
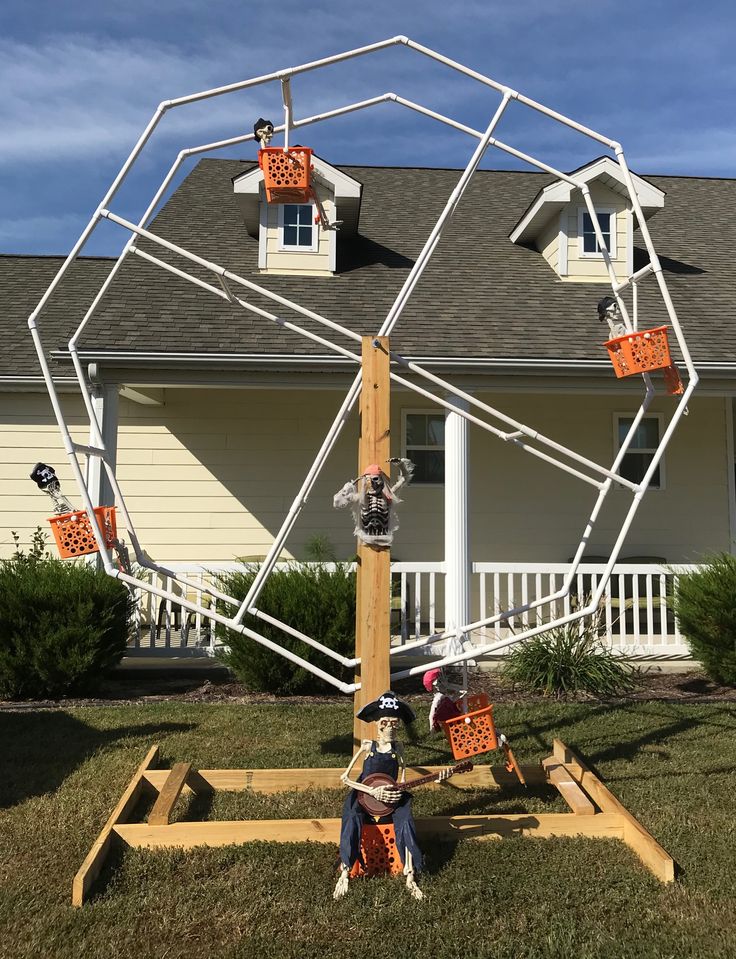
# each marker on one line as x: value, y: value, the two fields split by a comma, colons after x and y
x: 387, y: 706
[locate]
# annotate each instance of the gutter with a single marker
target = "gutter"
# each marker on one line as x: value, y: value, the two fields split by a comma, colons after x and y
x: 146, y: 358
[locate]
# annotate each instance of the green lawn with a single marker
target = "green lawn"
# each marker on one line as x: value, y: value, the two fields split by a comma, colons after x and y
x: 63, y: 771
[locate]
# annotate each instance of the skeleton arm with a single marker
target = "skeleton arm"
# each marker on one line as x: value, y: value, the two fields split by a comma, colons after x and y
x: 406, y: 468
x: 382, y: 793
x: 346, y: 496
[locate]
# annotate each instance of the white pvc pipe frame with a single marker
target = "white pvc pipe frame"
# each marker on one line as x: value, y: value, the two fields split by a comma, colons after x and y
x: 606, y: 477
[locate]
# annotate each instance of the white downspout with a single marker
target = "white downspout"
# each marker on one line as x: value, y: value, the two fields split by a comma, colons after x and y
x: 457, y: 543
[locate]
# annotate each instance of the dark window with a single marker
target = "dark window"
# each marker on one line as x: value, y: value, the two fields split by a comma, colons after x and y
x: 425, y: 446
x: 641, y: 451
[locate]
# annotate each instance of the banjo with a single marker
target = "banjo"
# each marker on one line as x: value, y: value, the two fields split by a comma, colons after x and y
x: 376, y: 808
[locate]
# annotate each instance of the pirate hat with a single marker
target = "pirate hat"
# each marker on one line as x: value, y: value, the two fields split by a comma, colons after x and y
x: 389, y: 705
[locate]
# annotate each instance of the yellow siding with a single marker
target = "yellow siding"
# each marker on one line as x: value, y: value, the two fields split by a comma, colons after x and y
x: 585, y: 269
x: 315, y: 263
x: 210, y: 475
x: 548, y: 243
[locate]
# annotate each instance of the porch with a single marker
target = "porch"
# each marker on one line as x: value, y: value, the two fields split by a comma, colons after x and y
x: 636, y: 617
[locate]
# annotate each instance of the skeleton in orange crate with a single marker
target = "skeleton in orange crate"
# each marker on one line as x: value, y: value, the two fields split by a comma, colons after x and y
x: 382, y: 759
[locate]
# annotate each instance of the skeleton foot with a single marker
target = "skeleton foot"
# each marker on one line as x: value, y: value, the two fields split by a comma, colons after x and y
x: 341, y: 886
x: 411, y: 885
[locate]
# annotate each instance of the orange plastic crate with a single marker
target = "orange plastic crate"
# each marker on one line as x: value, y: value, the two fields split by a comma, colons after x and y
x: 473, y: 733
x: 640, y: 352
x: 286, y: 174
x: 73, y: 531
x: 379, y: 852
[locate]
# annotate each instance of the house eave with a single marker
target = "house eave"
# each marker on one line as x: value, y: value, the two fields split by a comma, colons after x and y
x: 554, y: 197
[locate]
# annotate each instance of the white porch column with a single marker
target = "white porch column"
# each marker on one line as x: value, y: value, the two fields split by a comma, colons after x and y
x: 105, y: 403
x: 457, y: 542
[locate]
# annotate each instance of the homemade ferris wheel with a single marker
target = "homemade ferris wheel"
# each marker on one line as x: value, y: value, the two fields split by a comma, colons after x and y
x: 634, y: 350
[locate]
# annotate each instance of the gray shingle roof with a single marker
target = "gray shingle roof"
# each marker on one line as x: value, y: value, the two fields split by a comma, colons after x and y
x: 481, y: 295
x: 23, y: 281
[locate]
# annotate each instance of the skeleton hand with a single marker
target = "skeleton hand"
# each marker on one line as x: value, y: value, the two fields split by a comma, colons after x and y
x: 387, y: 794
x: 445, y: 774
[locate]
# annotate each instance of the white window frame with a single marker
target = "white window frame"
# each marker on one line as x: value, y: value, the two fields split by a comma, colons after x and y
x: 404, y: 451
x: 659, y: 417
x: 289, y: 248
x: 582, y: 210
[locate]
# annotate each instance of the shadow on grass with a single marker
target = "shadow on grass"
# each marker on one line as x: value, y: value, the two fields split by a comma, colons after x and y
x: 40, y: 749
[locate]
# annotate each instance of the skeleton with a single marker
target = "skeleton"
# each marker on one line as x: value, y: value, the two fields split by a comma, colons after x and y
x: 46, y: 479
x: 263, y: 130
x: 444, y: 702
x: 373, y: 502
x: 389, y: 711
x: 608, y: 311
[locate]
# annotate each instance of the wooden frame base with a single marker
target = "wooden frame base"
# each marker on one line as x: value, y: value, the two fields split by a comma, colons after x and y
x: 594, y: 811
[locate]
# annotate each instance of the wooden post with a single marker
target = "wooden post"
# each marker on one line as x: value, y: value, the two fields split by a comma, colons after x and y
x: 373, y: 598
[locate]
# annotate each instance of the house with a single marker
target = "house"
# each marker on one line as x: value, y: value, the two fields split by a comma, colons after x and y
x: 216, y: 413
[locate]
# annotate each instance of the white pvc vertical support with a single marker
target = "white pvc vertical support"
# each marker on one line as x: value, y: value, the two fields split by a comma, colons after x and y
x: 95, y: 467
x: 109, y: 428
x: 457, y: 544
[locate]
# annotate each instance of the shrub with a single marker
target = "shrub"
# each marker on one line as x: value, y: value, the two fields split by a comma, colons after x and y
x: 567, y: 660
x: 705, y: 606
x: 317, y: 600
x: 63, y: 625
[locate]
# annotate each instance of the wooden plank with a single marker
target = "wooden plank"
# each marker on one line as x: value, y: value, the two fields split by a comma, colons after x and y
x: 283, y: 780
x: 573, y: 795
x: 187, y: 835
x: 172, y: 787
x: 373, y: 583
x: 90, y: 868
x: 646, y: 847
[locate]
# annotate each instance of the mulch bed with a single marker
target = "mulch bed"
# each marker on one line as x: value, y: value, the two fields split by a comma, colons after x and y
x: 686, y: 687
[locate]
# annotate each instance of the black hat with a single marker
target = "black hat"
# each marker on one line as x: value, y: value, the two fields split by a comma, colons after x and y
x: 389, y: 705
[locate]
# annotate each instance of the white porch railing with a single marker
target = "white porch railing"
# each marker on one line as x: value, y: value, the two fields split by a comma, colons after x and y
x: 636, y: 616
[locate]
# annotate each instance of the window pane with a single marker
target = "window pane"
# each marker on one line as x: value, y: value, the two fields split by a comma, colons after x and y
x: 429, y: 465
x: 416, y: 429
x: 436, y: 430
x: 590, y: 243
x: 635, y: 466
x: 305, y: 235
x: 289, y: 235
x: 304, y: 214
x: 291, y: 213
x: 646, y: 436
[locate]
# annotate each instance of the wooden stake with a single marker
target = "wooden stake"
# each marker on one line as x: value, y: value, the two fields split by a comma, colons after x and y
x: 373, y: 597
x: 90, y: 868
x: 172, y: 787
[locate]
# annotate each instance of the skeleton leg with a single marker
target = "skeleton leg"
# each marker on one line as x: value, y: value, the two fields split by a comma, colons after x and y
x: 341, y: 886
x: 411, y: 883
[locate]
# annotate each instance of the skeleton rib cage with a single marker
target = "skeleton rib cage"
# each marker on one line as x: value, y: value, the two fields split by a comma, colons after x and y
x: 226, y: 285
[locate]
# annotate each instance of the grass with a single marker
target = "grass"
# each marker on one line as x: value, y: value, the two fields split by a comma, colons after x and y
x: 62, y: 771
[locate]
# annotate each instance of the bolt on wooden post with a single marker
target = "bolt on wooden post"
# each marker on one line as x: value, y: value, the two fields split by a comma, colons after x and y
x: 373, y: 588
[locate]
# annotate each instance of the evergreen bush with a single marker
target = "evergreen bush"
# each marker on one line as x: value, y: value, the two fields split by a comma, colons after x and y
x: 317, y: 600
x: 705, y: 606
x: 63, y: 625
x: 567, y: 660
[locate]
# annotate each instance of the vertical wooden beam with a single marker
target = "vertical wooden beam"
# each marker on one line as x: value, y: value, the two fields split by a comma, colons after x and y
x: 373, y: 599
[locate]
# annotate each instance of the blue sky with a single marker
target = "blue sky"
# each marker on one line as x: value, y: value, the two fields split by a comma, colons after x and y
x: 80, y: 81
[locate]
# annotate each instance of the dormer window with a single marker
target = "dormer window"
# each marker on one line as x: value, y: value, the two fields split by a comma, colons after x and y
x: 297, y: 229
x: 290, y: 241
x: 586, y: 232
x: 557, y: 222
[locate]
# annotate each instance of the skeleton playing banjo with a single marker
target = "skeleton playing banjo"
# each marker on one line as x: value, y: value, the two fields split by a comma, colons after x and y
x: 381, y: 785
